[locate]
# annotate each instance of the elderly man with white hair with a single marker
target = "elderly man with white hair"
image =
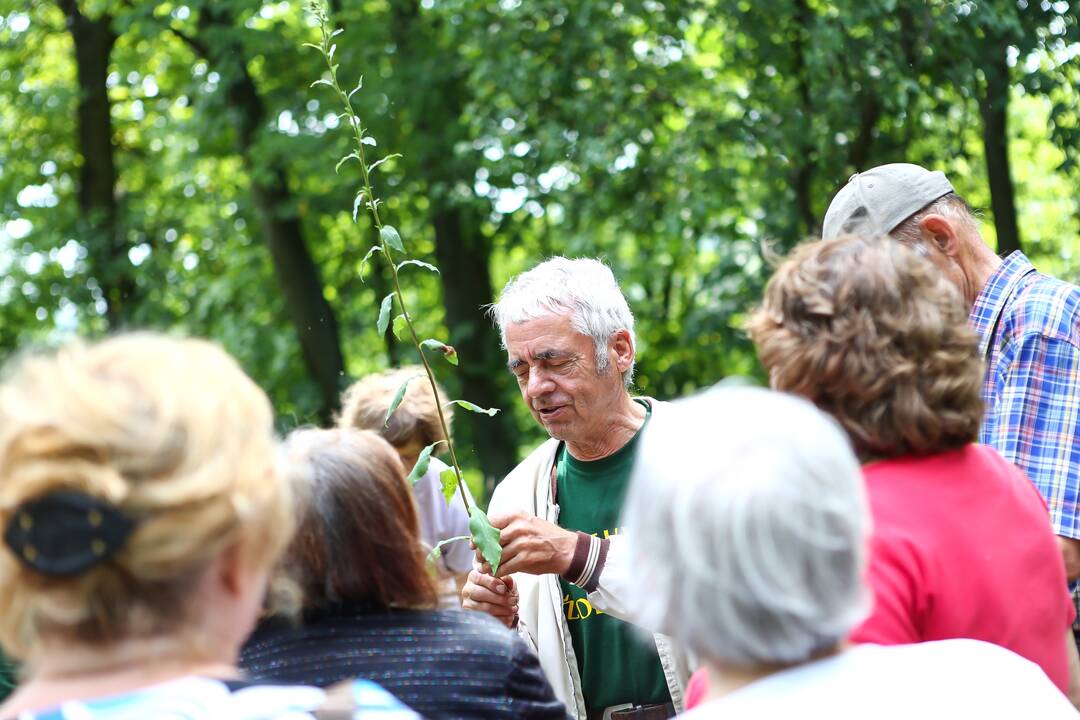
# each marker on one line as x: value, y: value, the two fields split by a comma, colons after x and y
x: 755, y: 556
x: 563, y: 579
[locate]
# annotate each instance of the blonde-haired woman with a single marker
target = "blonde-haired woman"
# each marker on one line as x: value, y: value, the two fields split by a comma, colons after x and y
x: 141, y: 506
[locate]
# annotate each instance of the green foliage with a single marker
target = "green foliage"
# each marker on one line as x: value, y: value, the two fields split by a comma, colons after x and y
x: 673, y: 139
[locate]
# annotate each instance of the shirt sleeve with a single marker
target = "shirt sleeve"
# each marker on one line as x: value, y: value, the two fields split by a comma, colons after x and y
x: 1035, y: 423
x: 895, y: 577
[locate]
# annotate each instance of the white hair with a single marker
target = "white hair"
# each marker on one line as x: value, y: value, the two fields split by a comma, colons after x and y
x: 584, y: 287
x: 747, y: 526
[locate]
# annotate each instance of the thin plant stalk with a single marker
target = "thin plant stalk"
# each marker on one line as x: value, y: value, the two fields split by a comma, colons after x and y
x: 373, y: 206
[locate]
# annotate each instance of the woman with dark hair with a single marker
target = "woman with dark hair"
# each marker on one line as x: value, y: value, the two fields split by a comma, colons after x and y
x: 368, y: 598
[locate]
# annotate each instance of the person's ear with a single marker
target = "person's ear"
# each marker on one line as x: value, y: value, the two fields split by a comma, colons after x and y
x: 623, y: 346
x: 941, y: 231
x: 233, y: 570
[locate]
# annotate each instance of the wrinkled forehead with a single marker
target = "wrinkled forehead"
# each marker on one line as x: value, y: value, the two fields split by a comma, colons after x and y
x: 542, y: 335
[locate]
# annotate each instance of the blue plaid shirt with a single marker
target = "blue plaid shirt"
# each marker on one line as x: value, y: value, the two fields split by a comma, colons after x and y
x: 1029, y: 325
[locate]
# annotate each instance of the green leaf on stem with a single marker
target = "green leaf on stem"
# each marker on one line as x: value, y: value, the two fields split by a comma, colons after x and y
x: 322, y: 81
x: 422, y: 462
x: 347, y: 158
x: 367, y: 258
x: 368, y: 140
x: 449, y: 479
x: 312, y: 45
x: 436, y: 552
x: 474, y: 408
x: 356, y: 204
x: 486, y: 537
x: 401, y: 328
x: 380, y: 161
x: 448, y: 351
x: 397, y: 399
x: 389, y: 235
x: 384, y: 313
x: 356, y: 90
x: 418, y: 263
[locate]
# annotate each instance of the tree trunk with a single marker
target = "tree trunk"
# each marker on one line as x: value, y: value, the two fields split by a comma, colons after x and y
x: 994, y: 107
x: 803, y: 162
x: 297, y: 275
x: 107, y: 248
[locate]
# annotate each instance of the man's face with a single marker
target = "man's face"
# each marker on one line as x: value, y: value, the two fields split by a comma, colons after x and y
x: 555, y: 367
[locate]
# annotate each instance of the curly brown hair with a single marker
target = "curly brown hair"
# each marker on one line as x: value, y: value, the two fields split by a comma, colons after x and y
x: 873, y: 334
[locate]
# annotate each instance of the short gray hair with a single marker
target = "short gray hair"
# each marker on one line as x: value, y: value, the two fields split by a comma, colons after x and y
x: 950, y: 205
x: 585, y: 287
x: 747, y: 517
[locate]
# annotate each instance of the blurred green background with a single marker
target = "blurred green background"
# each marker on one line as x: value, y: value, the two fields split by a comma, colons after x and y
x: 166, y: 165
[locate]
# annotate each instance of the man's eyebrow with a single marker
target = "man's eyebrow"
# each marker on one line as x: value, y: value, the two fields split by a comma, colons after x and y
x: 544, y: 355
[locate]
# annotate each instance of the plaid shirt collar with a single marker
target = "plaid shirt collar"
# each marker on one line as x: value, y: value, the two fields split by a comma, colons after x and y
x: 995, y: 294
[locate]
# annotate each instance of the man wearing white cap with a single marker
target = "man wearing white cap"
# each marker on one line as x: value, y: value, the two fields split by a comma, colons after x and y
x: 1029, y: 325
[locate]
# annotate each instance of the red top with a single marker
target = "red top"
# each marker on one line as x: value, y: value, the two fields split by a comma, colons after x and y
x: 963, y: 548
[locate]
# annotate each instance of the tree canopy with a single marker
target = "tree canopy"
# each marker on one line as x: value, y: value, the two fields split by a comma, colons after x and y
x: 166, y: 165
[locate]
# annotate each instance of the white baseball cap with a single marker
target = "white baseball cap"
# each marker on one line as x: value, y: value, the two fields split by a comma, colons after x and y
x: 878, y: 200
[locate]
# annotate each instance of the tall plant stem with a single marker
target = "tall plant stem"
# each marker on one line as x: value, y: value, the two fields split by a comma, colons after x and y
x: 373, y: 206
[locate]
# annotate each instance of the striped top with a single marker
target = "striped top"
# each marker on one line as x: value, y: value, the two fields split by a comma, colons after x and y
x: 443, y: 664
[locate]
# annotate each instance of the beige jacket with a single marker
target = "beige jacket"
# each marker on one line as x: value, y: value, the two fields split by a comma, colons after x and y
x: 541, y: 621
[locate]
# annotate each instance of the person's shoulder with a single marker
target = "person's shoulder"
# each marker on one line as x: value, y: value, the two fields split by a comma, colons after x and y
x: 519, y: 485
x: 482, y: 630
x: 201, y: 698
x: 1048, y: 307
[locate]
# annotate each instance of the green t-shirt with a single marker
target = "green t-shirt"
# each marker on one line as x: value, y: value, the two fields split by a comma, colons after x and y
x: 618, y: 662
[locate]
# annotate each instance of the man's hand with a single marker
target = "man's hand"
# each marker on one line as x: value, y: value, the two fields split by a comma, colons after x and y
x: 1070, y: 550
x: 495, y: 596
x: 532, y: 545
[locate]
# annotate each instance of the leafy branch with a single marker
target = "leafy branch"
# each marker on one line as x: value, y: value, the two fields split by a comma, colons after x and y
x: 389, y: 241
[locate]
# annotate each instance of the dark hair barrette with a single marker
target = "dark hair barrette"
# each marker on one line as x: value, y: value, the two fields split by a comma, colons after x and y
x: 66, y: 532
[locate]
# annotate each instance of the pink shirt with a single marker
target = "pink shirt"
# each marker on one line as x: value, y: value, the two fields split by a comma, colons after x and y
x: 962, y: 548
